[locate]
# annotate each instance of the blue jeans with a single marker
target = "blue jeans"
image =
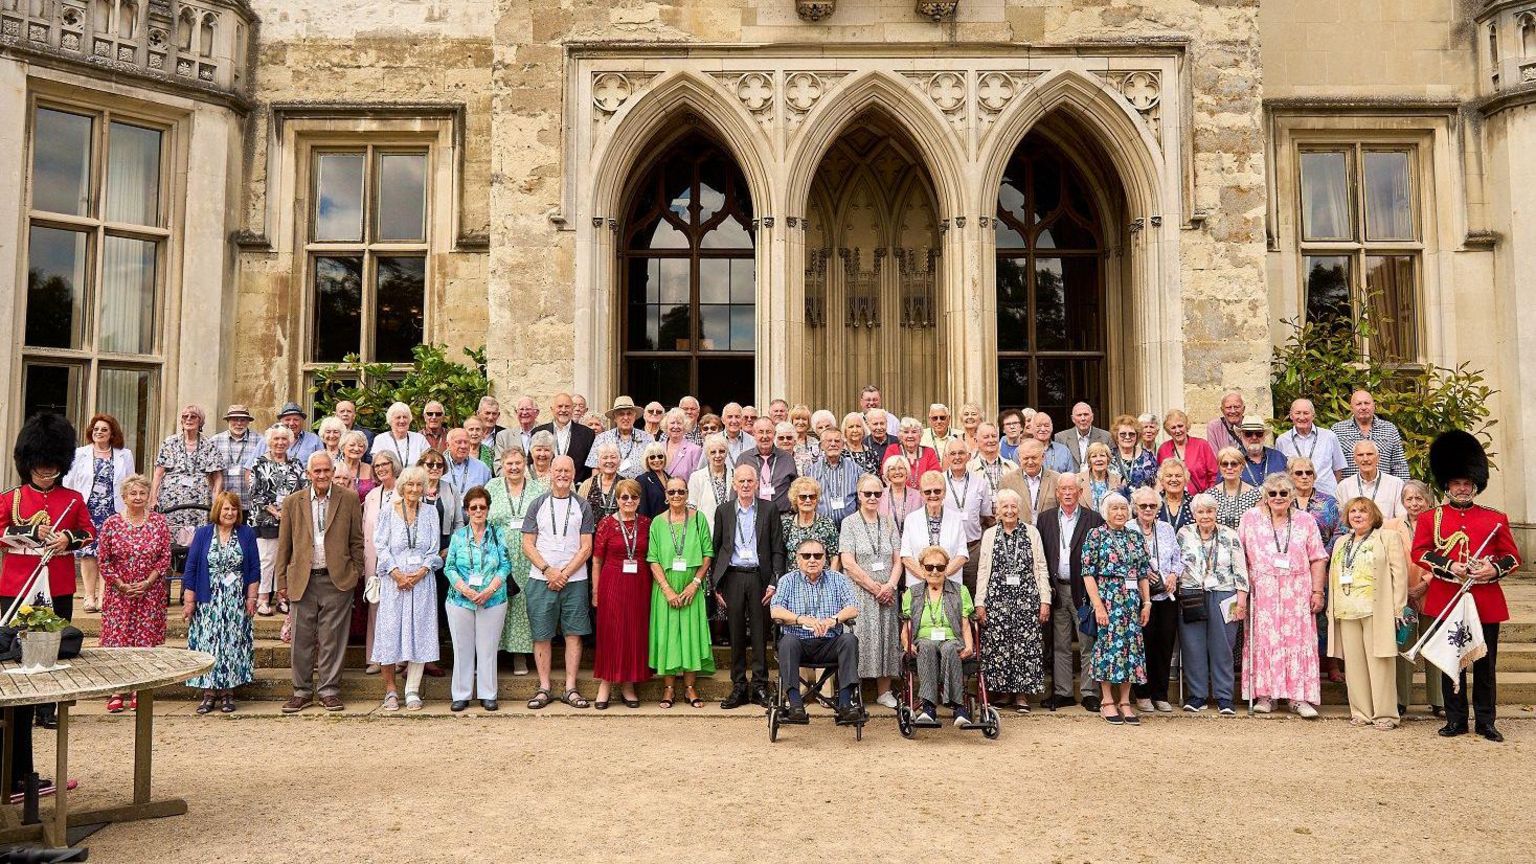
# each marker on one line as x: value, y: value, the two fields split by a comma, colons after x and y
x: 1207, y: 651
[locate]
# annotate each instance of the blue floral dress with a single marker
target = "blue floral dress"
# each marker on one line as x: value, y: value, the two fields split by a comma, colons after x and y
x: 1118, y: 560
x: 102, y: 502
x: 1140, y: 470
x: 220, y: 625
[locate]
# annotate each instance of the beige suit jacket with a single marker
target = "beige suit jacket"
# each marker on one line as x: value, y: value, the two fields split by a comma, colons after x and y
x: 1014, y: 480
x: 296, y: 542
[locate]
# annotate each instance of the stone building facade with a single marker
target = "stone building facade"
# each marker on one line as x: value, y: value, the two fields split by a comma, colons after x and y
x: 999, y: 201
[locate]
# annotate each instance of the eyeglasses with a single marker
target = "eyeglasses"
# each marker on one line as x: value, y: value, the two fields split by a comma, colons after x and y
x: 809, y: 496
x: 1231, y: 464
x: 475, y: 508
x: 431, y: 465
x: 934, y: 568
x: 932, y: 493
x: 433, y: 414
x: 1277, y: 493
x: 676, y: 493
x: 1251, y: 433
x: 1148, y: 506
x: 812, y: 556
x: 628, y: 497
x: 1302, y: 472
x: 1126, y: 434
x: 870, y: 494
x: 938, y: 416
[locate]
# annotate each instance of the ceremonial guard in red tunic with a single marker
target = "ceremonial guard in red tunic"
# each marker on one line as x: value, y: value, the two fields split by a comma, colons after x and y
x: 41, y: 509
x: 1456, y: 541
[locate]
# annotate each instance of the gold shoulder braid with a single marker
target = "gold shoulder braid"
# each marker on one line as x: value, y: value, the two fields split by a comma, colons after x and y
x: 1457, y: 542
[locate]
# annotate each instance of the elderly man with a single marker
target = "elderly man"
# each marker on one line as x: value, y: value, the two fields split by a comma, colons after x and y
x: 883, y: 428
x: 690, y: 408
x: 814, y: 605
x: 967, y: 495
x: 1260, y: 461
x: 1306, y: 439
x: 838, y: 476
x: 346, y: 412
x: 305, y: 442
x: 1224, y: 431
x: 521, y: 434
x: 737, y: 439
x: 1062, y: 531
x: 748, y: 416
x: 939, y: 430
x: 434, y: 425
x: 474, y: 427
x: 1014, y: 430
x: 778, y: 411
x: 578, y: 407
x: 775, y: 467
x: 238, y: 444
x: 1082, y: 433
x: 989, y: 460
x: 557, y: 541
x: 571, y: 438
x: 489, y: 412
x: 1364, y: 425
x: 1371, y: 482
x: 1057, y: 457
x: 1034, y: 483
x: 870, y: 401
x: 318, y: 562
x: 465, y: 471
x: 629, y: 441
x: 749, y: 559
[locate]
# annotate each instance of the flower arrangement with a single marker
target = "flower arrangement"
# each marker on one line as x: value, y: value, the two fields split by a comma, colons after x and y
x: 40, y: 619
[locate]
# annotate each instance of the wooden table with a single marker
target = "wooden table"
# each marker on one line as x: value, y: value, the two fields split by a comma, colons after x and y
x: 95, y: 674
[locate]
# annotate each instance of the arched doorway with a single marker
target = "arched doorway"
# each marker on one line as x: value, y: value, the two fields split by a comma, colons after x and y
x: 1052, y: 327
x: 689, y: 282
x: 872, y: 245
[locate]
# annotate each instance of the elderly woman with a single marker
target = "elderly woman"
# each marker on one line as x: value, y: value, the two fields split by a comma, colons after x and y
x: 189, y: 469
x: 710, y: 424
x: 802, y: 523
x: 710, y: 485
x: 920, y: 459
x: 652, y: 417
x: 1367, y: 591
x: 1098, y: 480
x: 331, y: 430
x: 933, y: 524
x: 218, y: 600
x: 1148, y: 427
x: 900, y: 497
x: 1117, y: 572
x: 679, y: 554
x: 511, y: 494
x: 1013, y: 602
x: 407, y: 543
x: 98, y: 473
x: 134, y: 548
x: 653, y: 482
x: 375, y: 503
x: 1233, y: 496
x: 1163, y: 626
x: 477, y: 568
x: 855, y: 434
x: 1309, y: 499
x: 870, y: 544
x: 1135, y: 464
x: 1416, y: 500
x: 1172, y: 482
x: 440, y: 494
x: 621, y: 591
x: 1197, y: 454
x: 970, y: 424
x: 683, y: 456
x: 1213, y: 601
x: 354, y: 447
x: 937, y: 632
x: 273, y: 478
x: 600, y: 491
x: 595, y: 423
x: 398, y: 440
x: 805, y: 446
x: 541, y: 456
x: 1287, y: 567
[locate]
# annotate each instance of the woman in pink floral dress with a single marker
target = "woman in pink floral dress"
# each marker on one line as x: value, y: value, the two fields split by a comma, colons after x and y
x: 1286, y: 568
x: 134, y: 549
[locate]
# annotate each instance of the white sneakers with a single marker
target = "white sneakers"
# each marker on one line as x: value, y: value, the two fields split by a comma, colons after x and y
x: 1144, y: 706
x: 1263, y: 706
x: 887, y: 699
x: 1161, y: 707
x: 1304, y: 710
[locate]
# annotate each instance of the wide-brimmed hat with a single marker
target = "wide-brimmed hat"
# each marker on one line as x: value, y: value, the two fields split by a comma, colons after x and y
x: 623, y: 403
x: 237, y: 412
x: 1252, y: 423
x: 291, y: 409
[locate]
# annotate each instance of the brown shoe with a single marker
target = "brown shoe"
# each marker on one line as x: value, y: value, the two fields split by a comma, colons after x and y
x: 296, y: 704
x: 332, y: 703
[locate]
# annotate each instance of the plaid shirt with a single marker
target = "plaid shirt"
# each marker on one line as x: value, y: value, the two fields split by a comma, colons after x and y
x: 830, y: 594
x: 1388, y: 441
x: 239, y: 456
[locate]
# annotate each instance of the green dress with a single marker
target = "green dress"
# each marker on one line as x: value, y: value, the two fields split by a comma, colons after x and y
x: 680, y: 637
x: 507, y: 515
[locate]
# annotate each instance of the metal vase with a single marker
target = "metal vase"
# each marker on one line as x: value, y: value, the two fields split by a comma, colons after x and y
x: 40, y: 650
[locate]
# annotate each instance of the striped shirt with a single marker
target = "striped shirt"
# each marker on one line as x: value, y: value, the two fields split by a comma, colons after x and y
x: 1388, y: 441
x: 239, y: 456
x: 838, y: 484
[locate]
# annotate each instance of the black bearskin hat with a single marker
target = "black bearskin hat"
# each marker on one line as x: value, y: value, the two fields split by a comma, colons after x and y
x: 1458, y: 455
x: 46, y: 441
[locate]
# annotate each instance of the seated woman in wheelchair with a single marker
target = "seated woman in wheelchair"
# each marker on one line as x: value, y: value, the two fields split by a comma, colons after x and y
x: 937, y: 632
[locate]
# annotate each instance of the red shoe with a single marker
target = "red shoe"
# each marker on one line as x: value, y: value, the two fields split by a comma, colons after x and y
x: 115, y: 704
x: 133, y: 700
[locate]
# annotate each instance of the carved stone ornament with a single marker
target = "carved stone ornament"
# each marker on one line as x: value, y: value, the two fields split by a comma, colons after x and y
x: 814, y: 10
x: 938, y: 10
x: 610, y: 90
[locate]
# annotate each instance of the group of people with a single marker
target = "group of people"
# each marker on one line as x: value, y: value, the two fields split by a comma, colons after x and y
x: 872, y: 541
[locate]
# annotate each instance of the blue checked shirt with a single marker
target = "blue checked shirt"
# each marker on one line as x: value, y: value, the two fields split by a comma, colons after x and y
x: 1389, y: 446
x: 830, y: 594
x: 239, y: 457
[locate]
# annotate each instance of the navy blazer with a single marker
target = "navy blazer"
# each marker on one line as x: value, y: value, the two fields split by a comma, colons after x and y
x: 195, y: 576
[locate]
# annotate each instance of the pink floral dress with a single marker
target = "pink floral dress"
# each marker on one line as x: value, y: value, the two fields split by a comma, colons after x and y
x: 130, y: 554
x: 1280, y: 661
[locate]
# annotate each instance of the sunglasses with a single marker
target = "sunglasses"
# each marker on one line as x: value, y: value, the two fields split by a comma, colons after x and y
x: 934, y: 568
x: 1148, y: 506
x: 932, y: 493
x: 1253, y: 434
x: 1277, y: 493
x: 434, y: 414
x: 653, y: 412
x: 812, y: 556
x: 868, y: 494
x: 628, y: 497
x: 655, y: 457
x: 806, y: 497
x: 1126, y: 434
x: 1302, y: 472
x: 938, y: 416
x: 475, y: 508
x: 677, y: 493
x: 1231, y: 464
x: 431, y: 465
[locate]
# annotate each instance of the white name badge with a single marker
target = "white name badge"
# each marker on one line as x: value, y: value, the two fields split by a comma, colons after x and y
x: 631, y: 566
x: 1347, y: 577
x: 626, y: 465
x: 1011, y: 581
x: 477, y: 580
x: 230, y: 579
x: 878, y: 565
x: 679, y: 564
x: 1281, y: 562
x: 412, y: 564
x: 938, y: 635
x: 1210, y: 582
x: 767, y: 492
x: 1130, y: 582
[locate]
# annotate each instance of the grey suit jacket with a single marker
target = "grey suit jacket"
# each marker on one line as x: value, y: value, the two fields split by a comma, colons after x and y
x: 1068, y: 438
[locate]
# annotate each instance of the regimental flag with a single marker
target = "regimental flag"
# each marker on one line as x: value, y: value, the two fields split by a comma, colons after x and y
x: 1458, y: 642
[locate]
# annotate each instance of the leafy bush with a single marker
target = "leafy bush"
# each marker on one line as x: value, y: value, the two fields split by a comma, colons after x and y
x: 1324, y: 362
x: 373, y: 387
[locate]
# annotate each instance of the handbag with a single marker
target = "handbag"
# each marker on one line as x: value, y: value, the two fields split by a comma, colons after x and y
x: 1191, y: 605
x: 1086, y: 623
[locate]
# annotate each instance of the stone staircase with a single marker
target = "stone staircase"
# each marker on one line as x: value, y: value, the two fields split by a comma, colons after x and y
x: 1517, y: 664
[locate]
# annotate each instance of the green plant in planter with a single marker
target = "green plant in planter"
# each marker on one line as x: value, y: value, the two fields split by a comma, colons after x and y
x: 1325, y: 362
x: 373, y: 387
x: 41, y: 619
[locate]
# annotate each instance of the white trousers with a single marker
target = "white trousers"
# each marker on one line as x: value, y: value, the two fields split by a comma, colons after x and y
x: 266, y: 550
x: 476, y: 636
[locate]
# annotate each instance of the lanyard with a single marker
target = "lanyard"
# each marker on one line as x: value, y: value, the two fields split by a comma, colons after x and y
x: 462, y: 474
x: 993, y: 472
x: 631, y: 540
x: 477, y: 546
x: 559, y: 450
x: 749, y: 519
x: 516, y: 503
x: 1248, y: 466
x: 1352, y: 549
x: 679, y: 537
x: 619, y: 442
x: 570, y: 504
x: 395, y: 443
x: 1155, y: 547
x: 410, y: 527
x: 610, y: 498
x: 1209, y: 551
x: 1287, y: 547
x: 965, y: 491
x: 1296, y: 438
x: 872, y: 534
x: 240, y: 454
x: 1375, y: 487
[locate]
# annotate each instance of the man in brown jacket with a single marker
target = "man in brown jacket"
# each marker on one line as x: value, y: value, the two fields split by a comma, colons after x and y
x: 319, y: 560
x: 1035, y: 483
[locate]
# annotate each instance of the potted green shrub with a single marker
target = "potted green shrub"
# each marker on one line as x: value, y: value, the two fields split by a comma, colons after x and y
x: 41, y: 631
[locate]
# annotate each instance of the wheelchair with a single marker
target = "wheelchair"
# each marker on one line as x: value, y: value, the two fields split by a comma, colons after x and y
x: 984, y: 718
x: 778, y: 712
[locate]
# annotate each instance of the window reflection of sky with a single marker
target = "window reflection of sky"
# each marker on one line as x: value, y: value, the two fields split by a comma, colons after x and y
x: 339, y: 197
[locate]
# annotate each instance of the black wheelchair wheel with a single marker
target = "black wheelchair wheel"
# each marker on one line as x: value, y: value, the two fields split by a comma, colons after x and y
x: 773, y: 724
x: 904, y: 722
x: 992, y: 721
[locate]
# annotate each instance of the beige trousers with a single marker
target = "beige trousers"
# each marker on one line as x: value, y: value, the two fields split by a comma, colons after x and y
x: 1370, y: 681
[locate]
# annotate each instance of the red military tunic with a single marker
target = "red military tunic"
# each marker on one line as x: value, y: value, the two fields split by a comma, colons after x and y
x: 1448, y: 535
x: 22, y: 510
